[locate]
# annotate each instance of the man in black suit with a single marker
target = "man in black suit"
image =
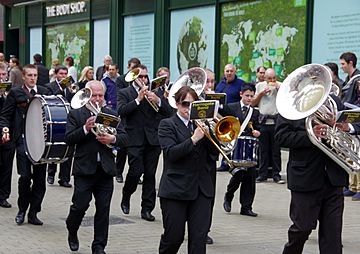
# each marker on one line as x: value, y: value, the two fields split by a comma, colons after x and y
x: 120, y: 84
x: 316, y: 183
x: 12, y: 117
x: 7, y: 152
x: 245, y: 176
x: 143, y: 149
x: 61, y: 72
x: 43, y: 76
x: 186, y: 189
x: 94, y: 168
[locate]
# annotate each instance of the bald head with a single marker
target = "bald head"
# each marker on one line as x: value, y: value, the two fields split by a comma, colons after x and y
x: 270, y: 75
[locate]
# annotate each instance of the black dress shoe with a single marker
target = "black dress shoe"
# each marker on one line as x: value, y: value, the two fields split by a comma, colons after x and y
x: 73, y: 242
x: 64, y: 184
x: 260, y: 179
x: 98, y: 251
x: 248, y: 213
x: 20, y: 217
x: 119, y: 179
x: 208, y: 240
x: 227, y: 205
x: 5, y: 204
x: 147, y: 216
x: 125, y: 206
x: 50, y: 179
x: 33, y: 219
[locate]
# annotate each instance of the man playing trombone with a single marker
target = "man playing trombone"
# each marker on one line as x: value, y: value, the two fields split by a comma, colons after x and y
x: 141, y: 109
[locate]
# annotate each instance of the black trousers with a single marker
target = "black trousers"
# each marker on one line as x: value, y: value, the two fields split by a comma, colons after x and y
x: 175, y: 214
x: 100, y: 185
x: 31, y: 181
x: 120, y: 161
x: 269, y: 151
x: 306, y: 208
x: 7, y: 153
x: 142, y: 160
x: 247, y: 190
x: 65, y: 170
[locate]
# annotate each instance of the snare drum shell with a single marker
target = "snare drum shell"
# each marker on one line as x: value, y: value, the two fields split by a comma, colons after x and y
x: 245, y: 153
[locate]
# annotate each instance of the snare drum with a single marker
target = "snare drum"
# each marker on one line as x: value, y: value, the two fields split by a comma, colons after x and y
x: 245, y: 153
x: 45, y: 126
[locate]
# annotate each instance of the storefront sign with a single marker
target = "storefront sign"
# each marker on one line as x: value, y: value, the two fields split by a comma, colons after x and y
x: 66, y: 9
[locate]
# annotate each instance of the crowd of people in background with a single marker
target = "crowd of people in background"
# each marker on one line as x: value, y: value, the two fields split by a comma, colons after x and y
x: 145, y: 132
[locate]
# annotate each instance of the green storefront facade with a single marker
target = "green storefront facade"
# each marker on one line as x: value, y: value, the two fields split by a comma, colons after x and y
x: 178, y: 34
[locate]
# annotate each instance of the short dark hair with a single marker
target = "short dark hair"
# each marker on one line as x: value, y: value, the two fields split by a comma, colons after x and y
x: 141, y: 66
x: 37, y: 58
x: 258, y: 68
x: 349, y: 56
x: 134, y: 60
x: 115, y: 65
x: 248, y: 87
x: 29, y: 66
x: 333, y: 67
x: 70, y: 60
x: 183, y: 91
x: 60, y: 67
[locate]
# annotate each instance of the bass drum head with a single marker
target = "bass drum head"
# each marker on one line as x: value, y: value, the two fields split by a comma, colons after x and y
x: 34, y: 130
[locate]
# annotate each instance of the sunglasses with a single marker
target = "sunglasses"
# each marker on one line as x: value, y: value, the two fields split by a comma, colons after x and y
x: 142, y: 76
x: 185, y: 103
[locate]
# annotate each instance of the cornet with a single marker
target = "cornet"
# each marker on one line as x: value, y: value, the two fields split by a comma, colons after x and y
x: 133, y: 75
x: 82, y: 98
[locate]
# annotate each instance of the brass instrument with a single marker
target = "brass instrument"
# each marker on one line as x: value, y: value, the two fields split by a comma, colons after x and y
x: 133, y: 75
x: 224, y: 129
x: 305, y: 93
x: 68, y: 83
x: 82, y: 98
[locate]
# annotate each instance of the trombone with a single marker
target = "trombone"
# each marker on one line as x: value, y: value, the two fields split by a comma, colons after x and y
x: 133, y: 75
x: 223, y: 131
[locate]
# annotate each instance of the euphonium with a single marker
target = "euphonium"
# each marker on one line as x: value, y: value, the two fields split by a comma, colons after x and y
x: 305, y: 93
x: 82, y: 98
x: 134, y: 74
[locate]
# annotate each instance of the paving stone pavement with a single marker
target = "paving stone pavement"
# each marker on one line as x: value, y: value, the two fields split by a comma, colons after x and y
x: 232, y: 233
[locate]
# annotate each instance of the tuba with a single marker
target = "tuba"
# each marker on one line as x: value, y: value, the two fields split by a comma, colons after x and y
x: 82, y: 98
x: 225, y: 130
x: 134, y: 74
x: 305, y: 93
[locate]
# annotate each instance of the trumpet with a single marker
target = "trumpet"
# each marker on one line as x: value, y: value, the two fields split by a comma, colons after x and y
x: 133, y: 75
x: 82, y: 98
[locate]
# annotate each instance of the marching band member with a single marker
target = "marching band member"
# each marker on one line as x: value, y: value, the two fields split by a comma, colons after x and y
x: 55, y: 88
x: 246, y: 176
x: 186, y: 189
x: 94, y: 168
x: 141, y: 124
x: 7, y: 152
x: 316, y: 183
x: 12, y: 117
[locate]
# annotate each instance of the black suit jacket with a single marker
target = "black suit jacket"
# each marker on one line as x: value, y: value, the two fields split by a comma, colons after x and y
x: 308, y: 166
x: 185, y: 169
x: 141, y: 120
x: 87, y: 147
x: 43, y: 77
x: 234, y: 109
x: 15, y: 108
x: 55, y: 90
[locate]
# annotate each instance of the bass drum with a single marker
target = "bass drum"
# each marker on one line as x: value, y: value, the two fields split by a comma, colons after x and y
x: 45, y: 126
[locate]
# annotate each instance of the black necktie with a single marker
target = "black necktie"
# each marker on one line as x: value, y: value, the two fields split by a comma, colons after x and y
x: 244, y: 110
x: 190, y: 127
x: 32, y: 91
